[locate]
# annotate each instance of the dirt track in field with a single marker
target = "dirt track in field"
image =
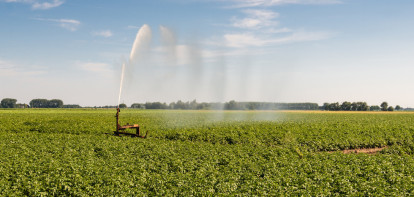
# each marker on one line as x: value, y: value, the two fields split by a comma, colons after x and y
x: 362, y: 150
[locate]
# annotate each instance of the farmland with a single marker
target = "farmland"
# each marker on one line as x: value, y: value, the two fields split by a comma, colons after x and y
x: 66, y: 152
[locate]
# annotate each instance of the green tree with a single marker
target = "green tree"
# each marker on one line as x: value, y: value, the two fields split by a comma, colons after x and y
x: 231, y: 105
x: 137, y: 106
x: 203, y: 106
x: 398, y: 108
x: 38, y: 103
x: 362, y: 106
x: 354, y: 106
x: 155, y: 105
x: 384, y: 106
x: 390, y: 108
x: 123, y: 105
x: 334, y: 107
x: 55, y: 103
x: 326, y: 106
x: 193, y: 104
x: 180, y: 105
x: 8, y: 103
x: 346, y: 106
x: 375, y: 108
x: 252, y: 106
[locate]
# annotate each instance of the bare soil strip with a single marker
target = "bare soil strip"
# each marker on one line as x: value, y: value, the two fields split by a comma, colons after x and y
x: 362, y: 150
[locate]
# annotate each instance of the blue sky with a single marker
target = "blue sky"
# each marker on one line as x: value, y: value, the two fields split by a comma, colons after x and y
x: 209, y: 50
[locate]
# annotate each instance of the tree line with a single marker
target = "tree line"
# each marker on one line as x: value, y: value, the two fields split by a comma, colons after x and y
x: 231, y: 105
x: 234, y: 105
x: 35, y: 103
x: 359, y: 106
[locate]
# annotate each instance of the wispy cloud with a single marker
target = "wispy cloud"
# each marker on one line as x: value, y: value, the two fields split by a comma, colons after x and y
x: 39, y: 5
x: 256, y: 19
x: 47, y: 5
x: 96, y: 67
x: 103, y: 33
x: 243, y: 40
x: 132, y: 27
x: 260, y: 27
x: 249, y: 40
x: 277, y: 30
x: 268, y: 3
x: 69, y: 24
x: 11, y: 69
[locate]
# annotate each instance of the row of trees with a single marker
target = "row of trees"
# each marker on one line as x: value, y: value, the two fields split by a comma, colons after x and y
x: 35, y: 103
x: 358, y: 106
x: 231, y: 105
x: 12, y: 103
x: 8, y: 103
x: 44, y: 103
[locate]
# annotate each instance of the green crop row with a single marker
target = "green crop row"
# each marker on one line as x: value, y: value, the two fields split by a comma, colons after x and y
x: 310, y: 131
x: 204, y: 153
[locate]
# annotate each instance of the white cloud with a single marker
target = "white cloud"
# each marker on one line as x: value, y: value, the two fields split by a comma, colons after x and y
x: 104, y: 33
x: 69, y: 24
x: 268, y: 3
x: 263, y: 14
x: 276, y: 31
x: 247, y: 23
x: 46, y: 5
x: 302, y: 36
x: 242, y: 40
x: 39, y: 5
x: 256, y: 19
x: 260, y: 27
x: 96, y: 67
x: 249, y: 39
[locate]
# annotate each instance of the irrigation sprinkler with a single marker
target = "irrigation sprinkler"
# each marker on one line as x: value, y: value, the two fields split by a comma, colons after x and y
x: 120, y: 130
x: 143, y: 34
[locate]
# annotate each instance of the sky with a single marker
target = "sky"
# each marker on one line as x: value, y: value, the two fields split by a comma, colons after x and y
x: 208, y: 50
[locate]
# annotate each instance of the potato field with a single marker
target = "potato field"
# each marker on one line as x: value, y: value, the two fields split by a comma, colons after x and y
x: 65, y: 152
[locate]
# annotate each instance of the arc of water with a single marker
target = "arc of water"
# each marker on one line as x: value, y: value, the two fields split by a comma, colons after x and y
x: 122, y: 80
x: 141, y: 43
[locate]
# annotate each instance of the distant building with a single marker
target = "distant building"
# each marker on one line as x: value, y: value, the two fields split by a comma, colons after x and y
x: 21, y: 105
